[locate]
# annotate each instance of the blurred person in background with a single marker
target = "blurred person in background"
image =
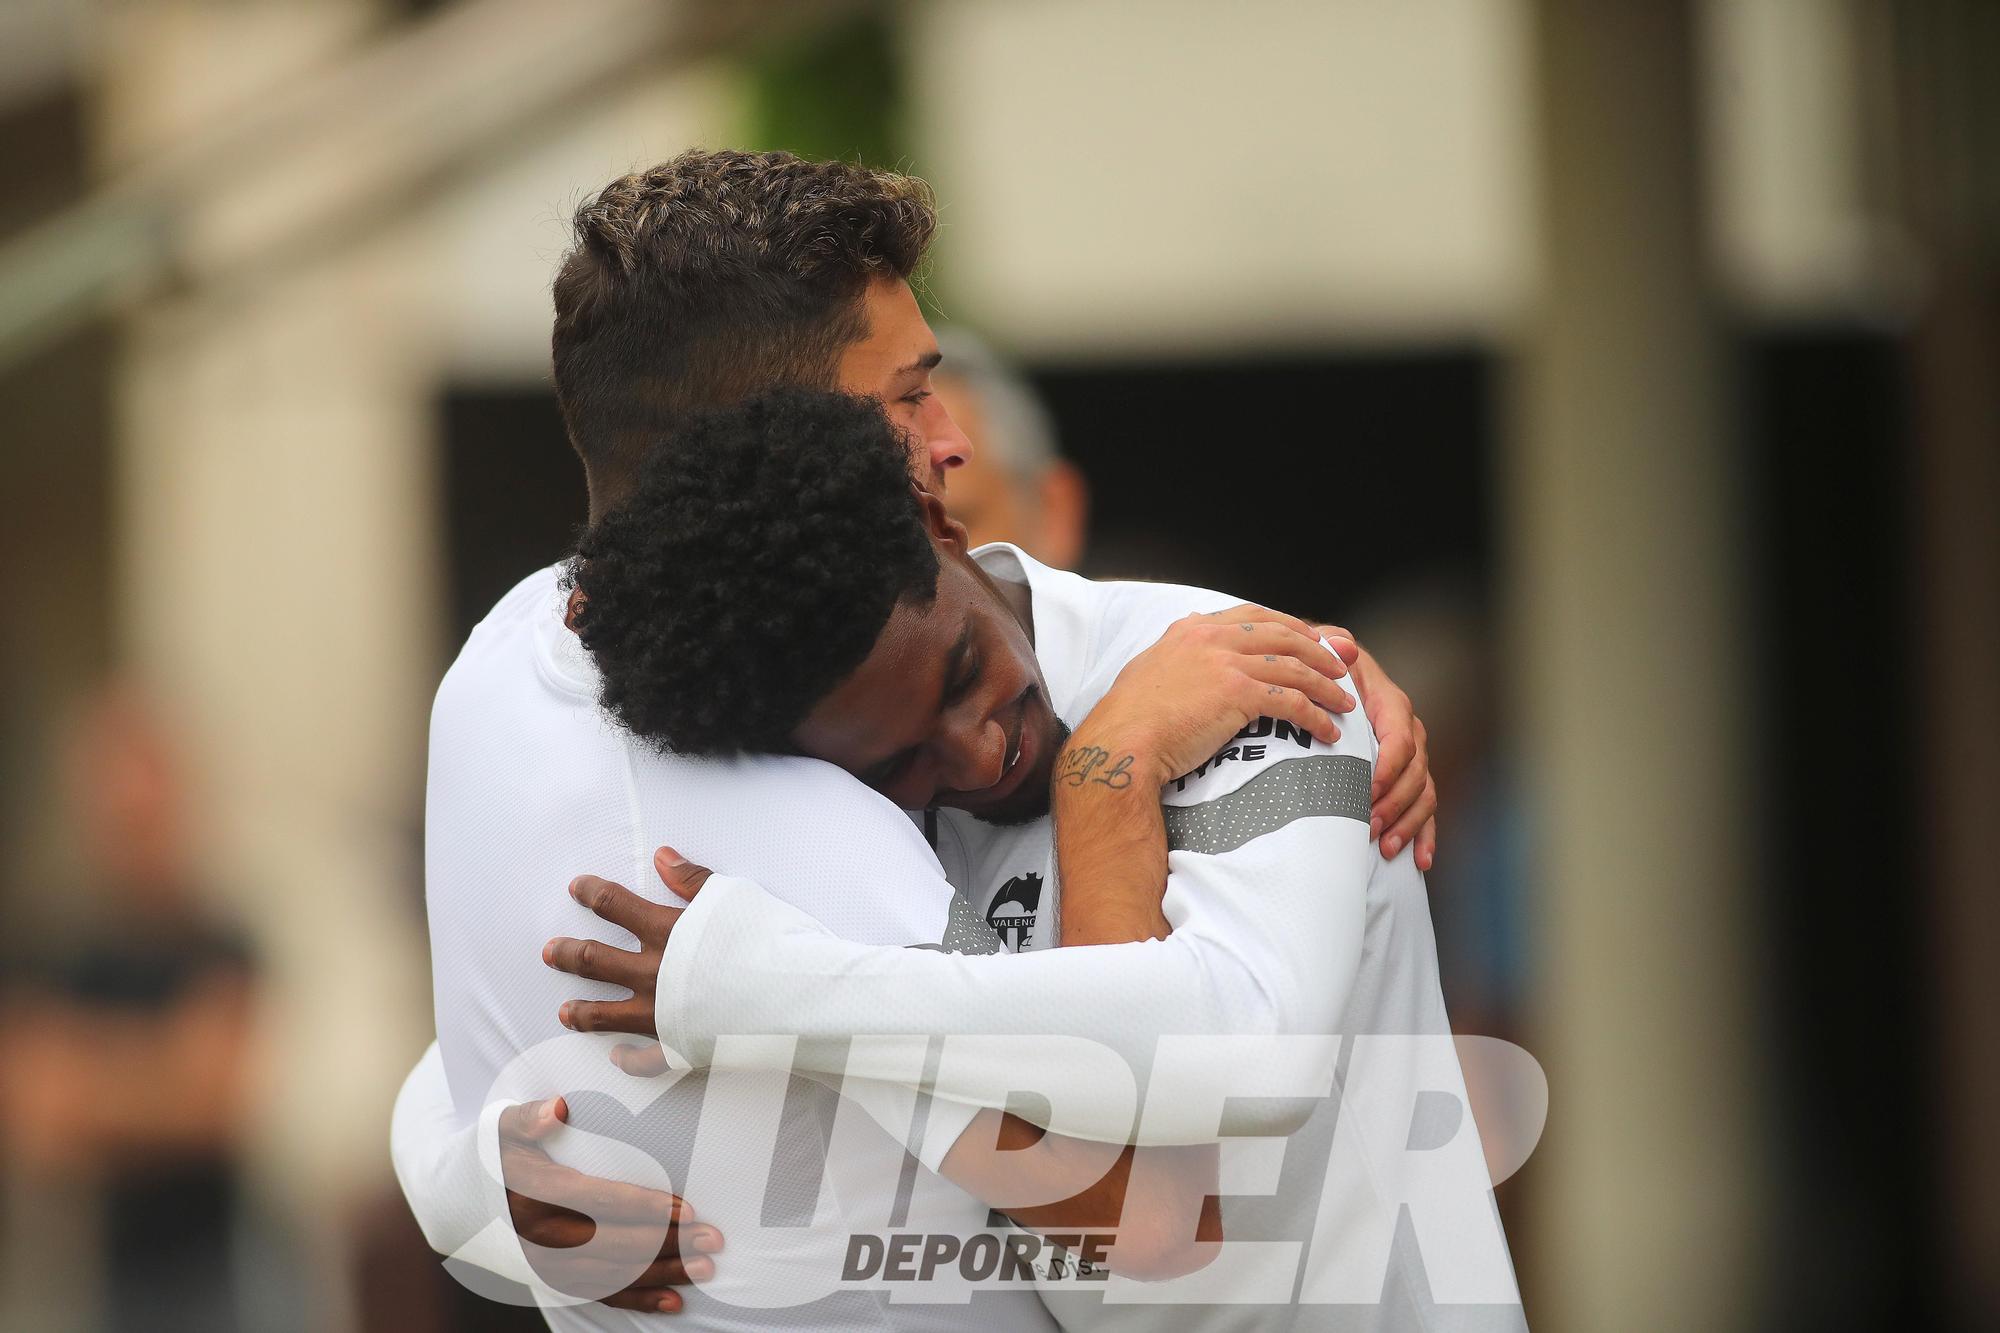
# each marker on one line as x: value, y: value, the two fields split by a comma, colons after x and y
x: 1017, y: 487
x: 1435, y: 624
x: 1481, y: 892
x: 126, y: 1047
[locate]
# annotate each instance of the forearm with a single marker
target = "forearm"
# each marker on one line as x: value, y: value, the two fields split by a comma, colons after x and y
x: 456, y: 1197
x: 1159, y: 1204
x: 741, y: 961
x: 1273, y: 955
x: 1111, y: 848
x: 1111, y: 844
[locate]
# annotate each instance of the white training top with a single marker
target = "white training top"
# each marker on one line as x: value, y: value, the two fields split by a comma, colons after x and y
x: 1285, y: 923
x: 529, y: 786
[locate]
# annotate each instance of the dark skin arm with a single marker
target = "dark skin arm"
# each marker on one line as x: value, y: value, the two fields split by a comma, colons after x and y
x: 1208, y: 677
x: 1170, y: 1189
x: 1124, y: 853
x: 552, y: 1205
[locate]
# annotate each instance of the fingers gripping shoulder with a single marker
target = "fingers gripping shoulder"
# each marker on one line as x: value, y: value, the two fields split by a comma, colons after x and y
x: 1269, y: 774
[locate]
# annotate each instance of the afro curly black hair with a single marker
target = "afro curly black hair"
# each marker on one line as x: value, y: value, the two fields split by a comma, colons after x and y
x: 752, y: 570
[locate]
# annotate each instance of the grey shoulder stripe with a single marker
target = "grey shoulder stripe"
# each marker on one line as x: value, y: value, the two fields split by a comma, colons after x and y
x: 964, y: 931
x: 1320, y: 784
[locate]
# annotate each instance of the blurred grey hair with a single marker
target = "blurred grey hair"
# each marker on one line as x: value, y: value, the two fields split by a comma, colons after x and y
x: 1020, y: 437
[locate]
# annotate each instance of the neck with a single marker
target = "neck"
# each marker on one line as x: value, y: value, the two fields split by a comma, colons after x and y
x: 604, y: 494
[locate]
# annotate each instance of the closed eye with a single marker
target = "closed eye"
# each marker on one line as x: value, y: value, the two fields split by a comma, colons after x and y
x: 962, y: 667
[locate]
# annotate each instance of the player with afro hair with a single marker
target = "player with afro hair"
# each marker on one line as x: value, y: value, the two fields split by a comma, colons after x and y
x: 751, y: 570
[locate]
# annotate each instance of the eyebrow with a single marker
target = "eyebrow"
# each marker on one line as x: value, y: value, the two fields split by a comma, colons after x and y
x: 928, y: 361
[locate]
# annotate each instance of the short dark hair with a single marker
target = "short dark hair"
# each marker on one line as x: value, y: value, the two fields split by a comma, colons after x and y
x: 712, y: 275
x: 751, y: 570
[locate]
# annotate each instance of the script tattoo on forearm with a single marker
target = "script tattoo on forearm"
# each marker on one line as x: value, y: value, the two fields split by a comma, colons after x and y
x: 1093, y: 763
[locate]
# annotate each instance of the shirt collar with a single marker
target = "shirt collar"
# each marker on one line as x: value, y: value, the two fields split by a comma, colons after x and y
x: 1063, y: 615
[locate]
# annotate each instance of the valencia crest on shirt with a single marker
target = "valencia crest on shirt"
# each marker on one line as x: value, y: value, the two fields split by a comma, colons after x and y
x: 1012, y: 912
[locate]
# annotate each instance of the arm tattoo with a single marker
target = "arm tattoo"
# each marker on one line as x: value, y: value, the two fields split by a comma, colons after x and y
x: 1090, y: 763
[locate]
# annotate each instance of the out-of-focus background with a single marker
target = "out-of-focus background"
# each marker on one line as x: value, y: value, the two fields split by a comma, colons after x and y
x: 1626, y: 373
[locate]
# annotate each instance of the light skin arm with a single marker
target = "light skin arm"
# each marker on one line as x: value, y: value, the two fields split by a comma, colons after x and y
x: 1172, y: 707
x: 1118, y: 846
x: 1111, y: 849
x: 1182, y: 699
x: 1152, y: 1199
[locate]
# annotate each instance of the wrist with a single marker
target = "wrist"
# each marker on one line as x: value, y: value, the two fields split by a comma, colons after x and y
x: 1111, y: 756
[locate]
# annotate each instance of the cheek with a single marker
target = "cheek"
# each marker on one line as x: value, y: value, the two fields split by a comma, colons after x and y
x: 1020, y: 675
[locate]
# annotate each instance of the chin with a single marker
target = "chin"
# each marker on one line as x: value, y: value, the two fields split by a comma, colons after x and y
x: 1023, y: 807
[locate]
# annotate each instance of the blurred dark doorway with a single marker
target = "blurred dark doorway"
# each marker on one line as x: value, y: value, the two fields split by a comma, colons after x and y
x: 1307, y: 482
x: 513, y: 495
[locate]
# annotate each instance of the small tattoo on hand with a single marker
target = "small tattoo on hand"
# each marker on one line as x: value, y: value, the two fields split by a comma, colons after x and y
x: 1092, y: 763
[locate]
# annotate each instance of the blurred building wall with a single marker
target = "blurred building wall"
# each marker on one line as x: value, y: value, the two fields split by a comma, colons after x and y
x: 1122, y: 175
x: 276, y: 586
x: 498, y: 237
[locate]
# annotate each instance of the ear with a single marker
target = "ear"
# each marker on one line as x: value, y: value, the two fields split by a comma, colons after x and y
x: 1065, y: 515
x: 945, y: 529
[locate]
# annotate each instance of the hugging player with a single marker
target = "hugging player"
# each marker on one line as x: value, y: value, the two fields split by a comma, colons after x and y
x: 692, y: 284
x: 1011, y: 697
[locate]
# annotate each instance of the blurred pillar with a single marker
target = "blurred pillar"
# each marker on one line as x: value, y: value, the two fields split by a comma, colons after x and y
x: 275, y: 582
x: 1935, y: 96
x: 1627, y: 599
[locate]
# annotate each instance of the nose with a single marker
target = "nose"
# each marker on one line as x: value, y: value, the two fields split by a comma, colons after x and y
x: 974, y: 755
x: 949, y: 447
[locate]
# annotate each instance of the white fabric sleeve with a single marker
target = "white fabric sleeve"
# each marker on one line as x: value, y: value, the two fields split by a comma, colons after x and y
x: 927, y: 1126
x: 450, y: 1173
x: 1266, y: 942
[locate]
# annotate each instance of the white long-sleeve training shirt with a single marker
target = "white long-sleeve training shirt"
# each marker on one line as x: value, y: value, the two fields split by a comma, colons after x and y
x: 1286, y: 924
x: 529, y: 786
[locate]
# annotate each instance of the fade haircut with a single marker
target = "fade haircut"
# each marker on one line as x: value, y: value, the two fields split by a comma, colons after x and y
x: 713, y: 275
x: 751, y: 570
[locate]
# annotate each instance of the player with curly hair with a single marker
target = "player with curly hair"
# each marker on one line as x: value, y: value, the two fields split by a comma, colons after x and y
x: 776, y: 583
x: 692, y: 285
x: 751, y: 571
x: 778, y: 548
